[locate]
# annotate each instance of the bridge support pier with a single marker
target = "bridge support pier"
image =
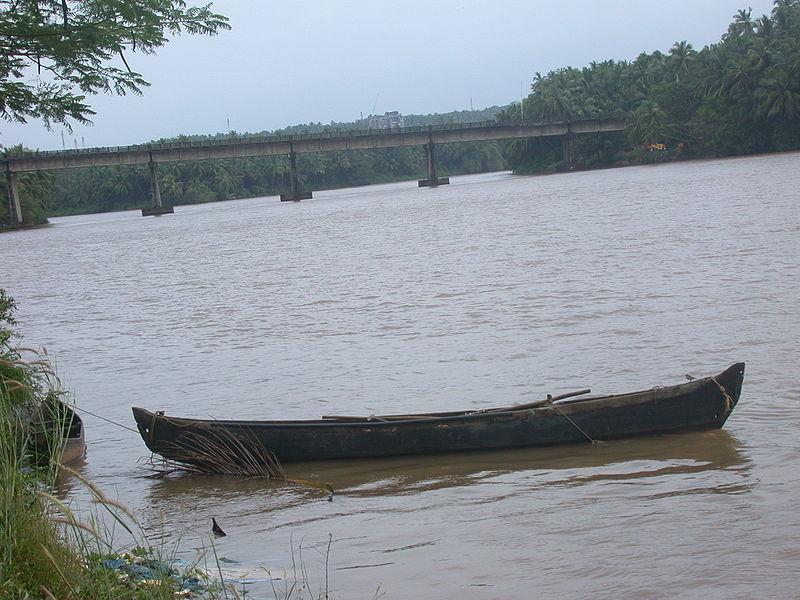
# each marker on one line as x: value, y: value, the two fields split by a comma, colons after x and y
x: 295, y: 194
x: 432, y: 180
x: 157, y: 208
x: 14, y: 210
x: 568, y: 146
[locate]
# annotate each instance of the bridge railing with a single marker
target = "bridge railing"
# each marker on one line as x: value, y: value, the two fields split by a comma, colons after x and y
x: 257, y: 139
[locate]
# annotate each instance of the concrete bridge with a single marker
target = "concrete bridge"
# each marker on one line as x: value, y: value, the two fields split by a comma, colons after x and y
x: 241, y: 146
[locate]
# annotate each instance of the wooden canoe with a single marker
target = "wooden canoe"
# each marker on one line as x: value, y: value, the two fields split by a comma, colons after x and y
x: 699, y: 404
x: 58, y: 435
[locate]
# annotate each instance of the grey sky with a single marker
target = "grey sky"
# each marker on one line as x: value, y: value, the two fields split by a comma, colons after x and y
x: 288, y: 62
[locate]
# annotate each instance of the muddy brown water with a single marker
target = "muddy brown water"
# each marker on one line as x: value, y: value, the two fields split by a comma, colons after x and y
x: 493, y: 290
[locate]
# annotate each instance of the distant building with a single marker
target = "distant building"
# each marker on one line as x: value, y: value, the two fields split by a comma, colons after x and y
x: 389, y: 120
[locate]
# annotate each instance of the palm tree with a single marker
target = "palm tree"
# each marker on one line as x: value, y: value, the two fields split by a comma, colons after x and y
x: 121, y: 185
x: 761, y: 53
x: 742, y: 24
x: 764, y: 27
x: 740, y: 83
x: 682, y: 55
x: 648, y: 123
x: 779, y: 96
x: 714, y: 62
x: 171, y: 188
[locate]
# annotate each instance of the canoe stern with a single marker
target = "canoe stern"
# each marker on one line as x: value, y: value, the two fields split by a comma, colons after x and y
x: 145, y: 423
x: 730, y: 380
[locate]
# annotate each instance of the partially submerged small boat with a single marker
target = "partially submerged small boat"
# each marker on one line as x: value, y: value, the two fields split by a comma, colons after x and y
x: 699, y: 404
x: 58, y: 434
x: 73, y: 446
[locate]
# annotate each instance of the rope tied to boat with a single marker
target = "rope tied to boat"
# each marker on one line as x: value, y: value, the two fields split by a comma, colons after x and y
x: 574, y: 424
x: 107, y: 420
x: 728, y: 400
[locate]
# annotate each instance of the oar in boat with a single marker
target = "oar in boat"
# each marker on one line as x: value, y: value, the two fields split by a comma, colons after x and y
x: 535, y: 404
x: 515, y: 407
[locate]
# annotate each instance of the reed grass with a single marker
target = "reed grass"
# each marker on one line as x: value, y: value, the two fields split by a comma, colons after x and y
x: 226, y: 453
x: 234, y: 454
x: 29, y: 539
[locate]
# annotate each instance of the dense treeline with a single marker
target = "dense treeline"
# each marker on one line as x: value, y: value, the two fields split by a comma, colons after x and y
x: 738, y: 96
x: 117, y: 188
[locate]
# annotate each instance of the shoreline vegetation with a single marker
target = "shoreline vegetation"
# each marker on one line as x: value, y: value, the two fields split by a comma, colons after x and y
x: 739, y: 96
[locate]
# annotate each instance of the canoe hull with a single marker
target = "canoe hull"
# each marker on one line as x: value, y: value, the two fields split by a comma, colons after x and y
x: 701, y: 404
x: 59, y: 436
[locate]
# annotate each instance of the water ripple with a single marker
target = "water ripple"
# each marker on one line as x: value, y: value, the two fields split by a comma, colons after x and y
x: 492, y: 290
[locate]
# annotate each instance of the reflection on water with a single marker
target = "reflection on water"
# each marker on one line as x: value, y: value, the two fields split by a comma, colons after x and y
x: 571, y: 465
x: 66, y: 483
x: 493, y: 290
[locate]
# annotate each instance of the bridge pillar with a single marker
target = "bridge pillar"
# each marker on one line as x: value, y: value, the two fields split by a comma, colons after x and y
x: 14, y: 210
x: 295, y: 194
x: 568, y: 146
x: 157, y: 208
x: 430, y: 157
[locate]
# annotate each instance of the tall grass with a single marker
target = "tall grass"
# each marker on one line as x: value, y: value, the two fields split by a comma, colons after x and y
x: 29, y: 540
x: 30, y: 543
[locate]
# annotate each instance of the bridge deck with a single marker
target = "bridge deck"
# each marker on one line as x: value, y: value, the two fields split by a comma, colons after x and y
x: 306, y: 143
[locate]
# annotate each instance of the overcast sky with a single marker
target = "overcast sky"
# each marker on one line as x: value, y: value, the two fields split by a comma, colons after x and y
x: 288, y: 62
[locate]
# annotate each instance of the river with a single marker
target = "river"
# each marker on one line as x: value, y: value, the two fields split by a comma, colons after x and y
x: 493, y: 290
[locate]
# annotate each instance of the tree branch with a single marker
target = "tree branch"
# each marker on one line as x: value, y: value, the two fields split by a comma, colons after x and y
x: 122, y: 56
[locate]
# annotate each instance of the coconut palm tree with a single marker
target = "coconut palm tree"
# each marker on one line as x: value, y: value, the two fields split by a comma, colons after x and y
x: 713, y: 65
x: 648, y: 123
x: 742, y: 24
x: 682, y: 56
x: 779, y: 96
x: 764, y: 27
